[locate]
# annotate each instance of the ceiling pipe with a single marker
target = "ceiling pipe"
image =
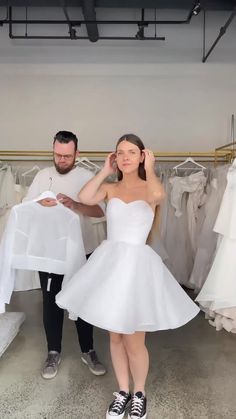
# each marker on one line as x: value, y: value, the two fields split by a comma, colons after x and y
x: 221, y: 33
x: 88, y: 8
x: 86, y: 22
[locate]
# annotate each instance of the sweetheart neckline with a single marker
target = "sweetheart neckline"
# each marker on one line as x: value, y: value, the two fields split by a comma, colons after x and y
x: 131, y: 202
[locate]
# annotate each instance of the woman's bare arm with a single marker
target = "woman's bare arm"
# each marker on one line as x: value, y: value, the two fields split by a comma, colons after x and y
x: 95, y: 190
x: 155, y: 190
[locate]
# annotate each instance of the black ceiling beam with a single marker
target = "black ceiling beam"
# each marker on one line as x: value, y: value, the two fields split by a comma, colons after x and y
x: 131, y: 4
x: 221, y: 33
x: 115, y: 38
x: 11, y: 21
x: 88, y: 8
x: 100, y: 22
x: 91, y: 24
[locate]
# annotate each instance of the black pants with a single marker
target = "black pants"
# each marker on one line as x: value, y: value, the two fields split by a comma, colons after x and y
x: 53, y: 316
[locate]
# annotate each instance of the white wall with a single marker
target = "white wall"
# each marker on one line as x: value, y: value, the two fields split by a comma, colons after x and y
x: 160, y: 91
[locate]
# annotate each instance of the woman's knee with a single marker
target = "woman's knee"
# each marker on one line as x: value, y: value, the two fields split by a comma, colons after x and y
x: 134, y: 346
x: 115, y: 338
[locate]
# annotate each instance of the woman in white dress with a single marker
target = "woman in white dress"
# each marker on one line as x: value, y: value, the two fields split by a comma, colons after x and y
x: 125, y: 287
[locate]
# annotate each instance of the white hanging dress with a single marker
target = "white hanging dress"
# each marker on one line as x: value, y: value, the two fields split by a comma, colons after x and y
x: 218, y: 295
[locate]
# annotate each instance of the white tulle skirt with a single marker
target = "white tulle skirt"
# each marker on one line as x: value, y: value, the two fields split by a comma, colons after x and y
x: 126, y: 288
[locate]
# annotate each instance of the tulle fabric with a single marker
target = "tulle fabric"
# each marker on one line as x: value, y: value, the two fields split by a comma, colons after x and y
x: 125, y: 287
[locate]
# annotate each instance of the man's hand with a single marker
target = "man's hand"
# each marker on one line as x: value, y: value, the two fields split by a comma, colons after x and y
x: 47, y: 202
x: 67, y: 201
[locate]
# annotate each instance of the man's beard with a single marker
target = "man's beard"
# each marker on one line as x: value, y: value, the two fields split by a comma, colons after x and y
x: 64, y: 170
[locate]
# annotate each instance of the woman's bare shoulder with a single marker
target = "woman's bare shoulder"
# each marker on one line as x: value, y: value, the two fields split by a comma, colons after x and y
x: 109, y: 188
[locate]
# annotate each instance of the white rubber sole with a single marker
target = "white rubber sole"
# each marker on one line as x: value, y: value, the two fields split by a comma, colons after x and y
x: 108, y: 416
x: 143, y: 417
x: 114, y: 417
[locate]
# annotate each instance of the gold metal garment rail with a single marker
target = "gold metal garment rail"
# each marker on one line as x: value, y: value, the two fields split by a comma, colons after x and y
x: 229, y: 150
x: 45, y: 153
x: 221, y: 154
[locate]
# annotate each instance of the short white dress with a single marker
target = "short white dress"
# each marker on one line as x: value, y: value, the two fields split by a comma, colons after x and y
x: 125, y: 287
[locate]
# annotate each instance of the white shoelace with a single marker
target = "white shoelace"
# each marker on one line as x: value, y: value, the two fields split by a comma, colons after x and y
x: 137, y: 405
x: 118, y: 402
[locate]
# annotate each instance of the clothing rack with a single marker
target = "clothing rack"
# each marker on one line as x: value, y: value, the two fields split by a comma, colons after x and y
x: 230, y: 148
x: 223, y: 154
x: 227, y: 149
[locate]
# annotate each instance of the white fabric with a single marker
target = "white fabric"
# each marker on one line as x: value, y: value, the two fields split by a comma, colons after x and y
x: 8, y: 196
x: 3, y: 221
x: 99, y: 229
x: 218, y: 295
x: 24, y: 280
x: 224, y: 319
x: 194, y: 184
x: 2, y: 201
x: 19, y: 193
x: 180, y: 214
x: 69, y: 184
x: 164, y: 208
x: 9, y: 327
x: 39, y: 238
x: 207, y: 238
x: 16, y: 198
x: 226, y: 220
x: 125, y: 287
x: 157, y: 245
x: 176, y: 240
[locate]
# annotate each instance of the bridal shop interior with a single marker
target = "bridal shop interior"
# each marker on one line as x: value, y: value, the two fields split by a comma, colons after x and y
x: 165, y: 71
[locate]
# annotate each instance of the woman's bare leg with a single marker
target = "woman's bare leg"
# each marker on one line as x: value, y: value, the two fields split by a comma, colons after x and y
x: 119, y: 360
x: 138, y: 359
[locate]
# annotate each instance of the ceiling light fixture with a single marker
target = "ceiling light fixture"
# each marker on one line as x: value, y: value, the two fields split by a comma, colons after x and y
x: 140, y: 33
x: 196, y: 9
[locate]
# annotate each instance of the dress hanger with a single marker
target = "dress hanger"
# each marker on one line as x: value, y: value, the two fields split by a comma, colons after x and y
x: 84, y: 161
x: 5, y: 166
x: 30, y: 170
x: 188, y: 160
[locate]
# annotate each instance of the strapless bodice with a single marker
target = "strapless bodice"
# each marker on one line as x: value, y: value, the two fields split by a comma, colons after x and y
x: 128, y: 222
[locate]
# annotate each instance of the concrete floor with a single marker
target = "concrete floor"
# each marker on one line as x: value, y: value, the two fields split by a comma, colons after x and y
x: 192, y: 373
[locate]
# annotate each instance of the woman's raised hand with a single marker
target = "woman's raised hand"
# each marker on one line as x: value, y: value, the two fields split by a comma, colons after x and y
x: 149, y: 159
x: 110, y: 165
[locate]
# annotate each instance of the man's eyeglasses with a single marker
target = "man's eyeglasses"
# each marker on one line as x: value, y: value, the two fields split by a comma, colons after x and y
x: 63, y: 156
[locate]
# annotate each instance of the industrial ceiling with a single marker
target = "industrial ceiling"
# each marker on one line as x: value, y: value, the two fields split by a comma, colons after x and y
x: 92, y: 14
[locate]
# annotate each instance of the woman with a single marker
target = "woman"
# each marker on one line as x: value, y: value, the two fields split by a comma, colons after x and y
x: 124, y: 287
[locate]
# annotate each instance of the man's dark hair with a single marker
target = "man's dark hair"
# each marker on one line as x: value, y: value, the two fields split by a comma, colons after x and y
x: 65, y: 137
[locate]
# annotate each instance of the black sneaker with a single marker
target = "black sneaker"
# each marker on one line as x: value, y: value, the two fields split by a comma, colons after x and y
x: 119, y: 405
x: 138, y: 406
